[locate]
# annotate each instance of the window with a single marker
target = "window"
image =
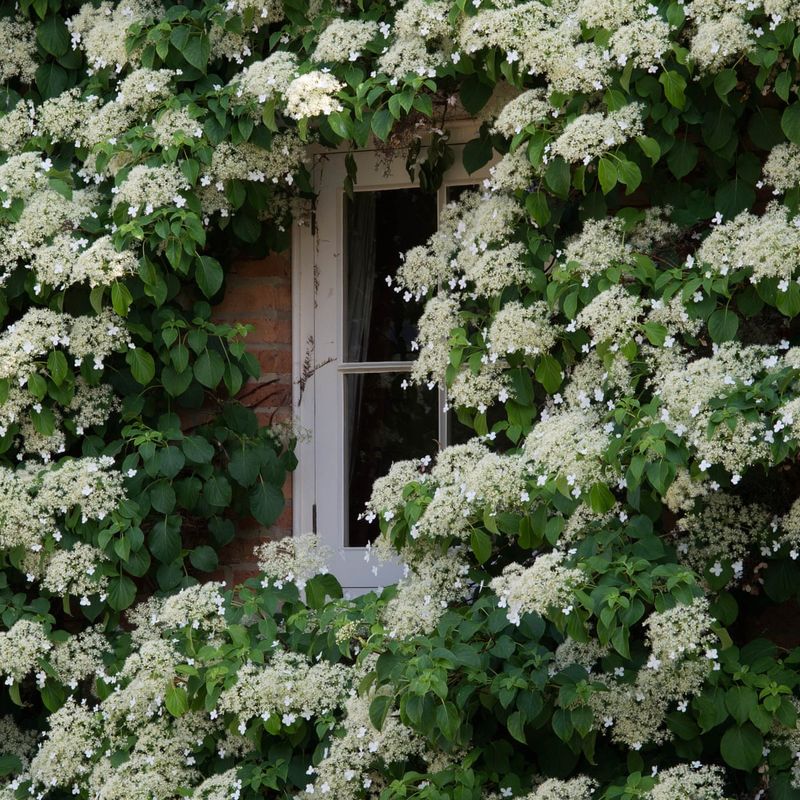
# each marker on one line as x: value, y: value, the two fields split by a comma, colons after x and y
x: 353, y: 337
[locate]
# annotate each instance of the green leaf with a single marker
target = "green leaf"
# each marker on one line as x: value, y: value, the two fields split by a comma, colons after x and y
x: 475, y: 93
x: 516, y: 726
x: 661, y: 474
x: 379, y: 709
x: 164, y: 540
x: 162, y: 497
x: 341, y: 124
x: 176, y: 700
x: 682, y: 159
x: 51, y: 80
x: 607, y: 173
x: 629, y: 173
x: 197, y: 50
x: 198, y: 449
x: 179, y: 355
x: 538, y: 208
x: 121, y: 298
x: 557, y: 176
x: 244, y: 466
x: 734, y: 196
x: 790, y: 122
x: 208, y: 274
x: 674, y: 88
x: 788, y: 302
x: 448, y: 720
x: 176, y: 383
x: 37, y: 385
x: 319, y: 588
x: 742, y: 747
x: 44, y: 421
x: 266, y: 502
x: 209, y: 368
x: 121, y: 592
x: 169, y: 576
x: 650, y: 147
x: 481, y: 545
x: 382, y: 122
x: 600, y: 498
x: 170, y: 461
x: 57, y: 367
x: 477, y: 153
x: 655, y: 332
x: 741, y: 701
x: 548, y: 373
x: 190, y: 168
x: 204, y: 558
x: 724, y: 82
x: 142, y: 366
x: 722, y: 325
x: 217, y: 491
x: 53, y: 35
x: 9, y: 765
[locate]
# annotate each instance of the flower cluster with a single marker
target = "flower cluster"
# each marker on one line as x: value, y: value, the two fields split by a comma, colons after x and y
x: 768, y: 246
x: 517, y: 328
x: 287, y: 687
x: 101, y: 31
x: 683, y: 651
x: 18, y: 46
x: 67, y: 260
x: 292, y: 560
x: 33, y: 499
x: 21, y: 647
x: 527, y: 109
x: 571, y: 444
x: 687, y: 389
x: 591, y: 135
x: 698, y: 780
x: 717, y: 539
x: 432, y: 585
x: 343, y: 40
x: 545, y: 587
x: 264, y: 80
x: 580, y: 788
x: 147, y: 188
x: 313, y: 94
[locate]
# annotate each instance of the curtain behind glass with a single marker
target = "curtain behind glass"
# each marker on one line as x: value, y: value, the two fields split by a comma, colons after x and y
x: 360, y: 282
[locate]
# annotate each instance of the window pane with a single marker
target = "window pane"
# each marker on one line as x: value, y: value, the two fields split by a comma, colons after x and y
x: 384, y: 423
x: 379, y: 324
x: 453, y: 193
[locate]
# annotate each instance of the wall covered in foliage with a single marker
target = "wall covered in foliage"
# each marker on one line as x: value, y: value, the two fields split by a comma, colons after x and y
x: 601, y: 598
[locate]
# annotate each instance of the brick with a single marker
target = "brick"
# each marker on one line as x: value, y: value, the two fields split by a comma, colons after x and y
x: 285, y: 519
x: 266, y: 398
x: 267, y: 329
x: 277, y: 265
x: 241, y: 574
x: 239, y: 550
x: 245, y: 296
x: 259, y: 293
x: 274, y: 360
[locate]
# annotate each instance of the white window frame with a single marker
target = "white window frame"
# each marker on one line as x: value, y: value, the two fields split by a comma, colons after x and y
x: 318, y: 307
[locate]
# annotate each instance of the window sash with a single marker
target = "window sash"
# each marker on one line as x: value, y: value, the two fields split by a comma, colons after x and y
x: 320, y: 303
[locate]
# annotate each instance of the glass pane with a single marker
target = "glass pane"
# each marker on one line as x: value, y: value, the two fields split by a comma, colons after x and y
x: 384, y: 423
x: 453, y: 193
x: 379, y: 324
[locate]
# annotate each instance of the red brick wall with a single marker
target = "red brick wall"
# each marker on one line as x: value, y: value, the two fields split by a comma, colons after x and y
x: 259, y: 293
